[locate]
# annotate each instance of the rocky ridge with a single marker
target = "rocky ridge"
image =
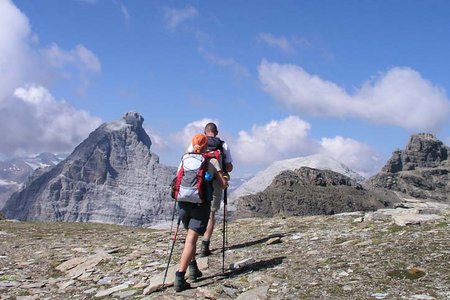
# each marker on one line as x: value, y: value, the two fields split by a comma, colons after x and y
x: 264, y: 178
x: 309, y: 191
x: 400, y: 253
x: 111, y: 177
x: 15, y: 172
x: 421, y: 170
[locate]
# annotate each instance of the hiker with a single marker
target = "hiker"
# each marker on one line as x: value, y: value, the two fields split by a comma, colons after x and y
x: 195, y: 218
x: 226, y: 164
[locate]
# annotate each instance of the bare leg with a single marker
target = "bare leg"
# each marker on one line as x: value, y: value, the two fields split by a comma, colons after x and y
x: 210, y: 227
x: 189, y: 250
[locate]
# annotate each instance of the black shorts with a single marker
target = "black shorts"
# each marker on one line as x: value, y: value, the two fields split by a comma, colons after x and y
x: 194, y: 216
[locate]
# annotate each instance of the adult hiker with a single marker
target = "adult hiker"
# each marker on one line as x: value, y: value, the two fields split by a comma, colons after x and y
x: 195, y: 218
x: 215, y: 143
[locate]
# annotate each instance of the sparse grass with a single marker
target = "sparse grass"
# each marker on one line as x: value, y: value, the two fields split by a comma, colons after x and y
x: 395, y: 228
x: 7, y: 277
x: 335, y: 290
x: 443, y: 224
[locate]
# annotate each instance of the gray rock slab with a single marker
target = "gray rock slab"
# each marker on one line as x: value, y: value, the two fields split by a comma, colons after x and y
x: 258, y: 293
x: 242, y: 263
x: 71, y: 263
x: 112, y: 290
x: 414, y: 219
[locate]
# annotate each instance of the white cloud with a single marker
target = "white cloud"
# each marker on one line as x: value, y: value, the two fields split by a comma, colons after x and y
x: 159, y: 143
x: 356, y: 155
x: 84, y: 60
x: 18, y: 63
x: 33, y: 120
x: 184, y: 137
x: 401, y: 97
x: 277, y: 42
x: 175, y: 17
x: 37, y: 122
x: 238, y: 69
x: 274, y: 141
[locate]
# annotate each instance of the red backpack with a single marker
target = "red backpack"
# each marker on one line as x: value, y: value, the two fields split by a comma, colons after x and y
x: 189, y: 184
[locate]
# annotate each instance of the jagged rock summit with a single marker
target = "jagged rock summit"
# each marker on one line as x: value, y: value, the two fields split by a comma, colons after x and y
x: 111, y: 177
x: 420, y: 170
x: 309, y: 191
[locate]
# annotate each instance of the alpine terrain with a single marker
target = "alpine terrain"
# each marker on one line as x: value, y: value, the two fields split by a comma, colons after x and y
x: 421, y: 170
x: 264, y: 178
x: 111, y: 177
x: 15, y: 172
x: 308, y: 191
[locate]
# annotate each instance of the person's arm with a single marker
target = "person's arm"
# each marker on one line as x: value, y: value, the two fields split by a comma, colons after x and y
x: 228, y: 159
x: 214, y: 167
x: 222, y: 179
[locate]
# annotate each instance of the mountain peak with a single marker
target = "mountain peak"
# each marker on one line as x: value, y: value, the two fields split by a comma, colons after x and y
x: 420, y: 170
x: 104, y: 180
x: 134, y: 118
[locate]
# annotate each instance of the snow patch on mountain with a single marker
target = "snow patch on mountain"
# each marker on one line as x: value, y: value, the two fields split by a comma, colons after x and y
x: 8, y: 182
x: 264, y: 178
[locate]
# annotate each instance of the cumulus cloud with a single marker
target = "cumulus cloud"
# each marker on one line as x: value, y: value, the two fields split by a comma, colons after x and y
x: 33, y: 120
x: 281, y: 42
x: 238, y: 69
x: 159, y: 144
x: 356, y: 155
x: 175, y: 17
x: 36, y: 122
x: 184, y: 137
x: 18, y: 62
x: 274, y: 141
x: 400, y: 97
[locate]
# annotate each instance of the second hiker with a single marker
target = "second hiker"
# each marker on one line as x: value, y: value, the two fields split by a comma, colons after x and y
x: 226, y: 164
x: 195, y: 215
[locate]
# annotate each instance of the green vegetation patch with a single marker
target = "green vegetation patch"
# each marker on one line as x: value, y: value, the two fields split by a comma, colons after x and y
x: 7, y: 277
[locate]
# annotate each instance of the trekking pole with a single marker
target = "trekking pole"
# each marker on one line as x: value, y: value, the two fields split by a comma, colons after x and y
x: 171, y: 225
x: 171, y: 251
x: 225, y: 200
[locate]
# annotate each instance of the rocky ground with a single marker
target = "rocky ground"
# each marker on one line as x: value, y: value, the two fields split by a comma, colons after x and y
x: 388, y: 254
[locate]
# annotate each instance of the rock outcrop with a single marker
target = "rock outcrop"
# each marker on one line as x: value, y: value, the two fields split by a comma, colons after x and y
x: 420, y: 170
x: 308, y: 191
x: 265, y: 177
x: 111, y: 177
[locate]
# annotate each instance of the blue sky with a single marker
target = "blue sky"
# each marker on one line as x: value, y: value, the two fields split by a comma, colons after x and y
x: 349, y: 79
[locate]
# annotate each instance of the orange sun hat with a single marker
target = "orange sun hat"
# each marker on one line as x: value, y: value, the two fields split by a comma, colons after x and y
x: 199, y: 141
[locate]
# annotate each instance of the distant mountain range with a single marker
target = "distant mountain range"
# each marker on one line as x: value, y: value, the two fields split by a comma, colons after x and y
x: 114, y: 177
x: 14, y: 172
x: 265, y: 177
x: 421, y: 170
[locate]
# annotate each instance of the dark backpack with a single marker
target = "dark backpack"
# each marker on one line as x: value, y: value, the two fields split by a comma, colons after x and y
x: 190, y: 185
x: 214, y: 143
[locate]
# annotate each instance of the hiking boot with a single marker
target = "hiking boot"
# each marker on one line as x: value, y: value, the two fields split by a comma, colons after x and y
x: 204, y: 249
x: 194, y: 272
x: 180, y: 283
